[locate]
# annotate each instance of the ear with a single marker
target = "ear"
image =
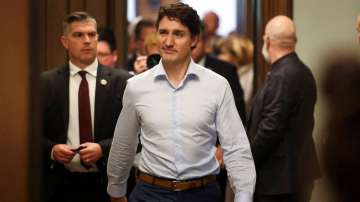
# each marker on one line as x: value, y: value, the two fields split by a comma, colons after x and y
x: 64, y: 41
x: 115, y: 55
x: 194, y: 41
x: 267, y: 42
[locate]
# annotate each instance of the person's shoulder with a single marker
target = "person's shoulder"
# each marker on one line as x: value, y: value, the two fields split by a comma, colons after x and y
x: 50, y: 73
x: 211, y: 75
x: 219, y: 66
x: 116, y: 72
x: 140, y: 80
x: 295, y: 67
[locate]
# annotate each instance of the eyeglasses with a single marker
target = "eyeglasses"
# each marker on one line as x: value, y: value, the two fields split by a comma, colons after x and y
x: 103, y: 55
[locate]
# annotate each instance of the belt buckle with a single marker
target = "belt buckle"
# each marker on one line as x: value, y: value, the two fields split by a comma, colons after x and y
x: 174, y: 185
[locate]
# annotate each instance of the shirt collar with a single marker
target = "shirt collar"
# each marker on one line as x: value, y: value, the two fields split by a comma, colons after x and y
x: 91, y: 69
x: 202, y: 61
x: 192, y: 71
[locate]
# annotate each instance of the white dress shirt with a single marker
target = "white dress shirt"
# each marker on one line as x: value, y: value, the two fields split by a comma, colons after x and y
x: 73, y: 137
x: 179, y: 127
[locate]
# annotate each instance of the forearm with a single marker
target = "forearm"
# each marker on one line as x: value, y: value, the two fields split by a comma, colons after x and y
x: 120, y: 160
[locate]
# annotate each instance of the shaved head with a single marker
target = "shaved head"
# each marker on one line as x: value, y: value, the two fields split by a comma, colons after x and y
x: 281, y: 31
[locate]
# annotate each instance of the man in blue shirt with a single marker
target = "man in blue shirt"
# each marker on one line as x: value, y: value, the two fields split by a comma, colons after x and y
x: 180, y: 109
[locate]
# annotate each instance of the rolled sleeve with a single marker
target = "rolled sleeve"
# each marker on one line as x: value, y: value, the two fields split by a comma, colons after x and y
x: 123, y: 147
x: 237, y: 153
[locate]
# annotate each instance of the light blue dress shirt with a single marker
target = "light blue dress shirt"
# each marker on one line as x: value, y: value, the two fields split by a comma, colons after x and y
x: 178, y: 129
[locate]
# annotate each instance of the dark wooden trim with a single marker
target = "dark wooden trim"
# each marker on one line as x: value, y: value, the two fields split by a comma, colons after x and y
x: 120, y: 29
x: 245, y: 19
x: 36, y: 57
x: 265, y: 10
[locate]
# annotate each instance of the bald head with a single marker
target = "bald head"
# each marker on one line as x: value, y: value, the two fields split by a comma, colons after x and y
x: 211, y: 22
x: 281, y: 31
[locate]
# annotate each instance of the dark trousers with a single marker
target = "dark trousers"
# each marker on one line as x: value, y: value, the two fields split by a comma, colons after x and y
x: 144, y: 192
x: 80, y: 187
x: 293, y: 197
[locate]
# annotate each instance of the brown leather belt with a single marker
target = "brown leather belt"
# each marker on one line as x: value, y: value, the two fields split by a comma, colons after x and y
x: 176, y: 185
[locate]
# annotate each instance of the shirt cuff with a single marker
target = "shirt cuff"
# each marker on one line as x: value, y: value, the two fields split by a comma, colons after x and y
x: 243, y: 197
x: 116, y: 190
x: 52, y: 154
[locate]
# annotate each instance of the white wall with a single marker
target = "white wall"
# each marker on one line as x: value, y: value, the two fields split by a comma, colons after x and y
x: 324, y: 26
x: 225, y: 9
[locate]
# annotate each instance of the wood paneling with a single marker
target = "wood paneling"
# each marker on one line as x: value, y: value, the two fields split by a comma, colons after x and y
x: 76, y: 5
x: 245, y: 17
x: 98, y: 9
x: 55, y: 13
x: 265, y: 10
x: 150, y: 10
x: 14, y: 101
x: 36, y: 63
x: 108, y: 13
x: 120, y: 28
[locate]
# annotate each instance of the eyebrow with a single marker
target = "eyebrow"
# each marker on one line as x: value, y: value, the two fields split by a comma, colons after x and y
x: 177, y: 31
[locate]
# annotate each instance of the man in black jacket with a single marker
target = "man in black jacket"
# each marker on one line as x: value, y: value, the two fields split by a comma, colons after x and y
x: 281, y: 121
x: 82, y: 101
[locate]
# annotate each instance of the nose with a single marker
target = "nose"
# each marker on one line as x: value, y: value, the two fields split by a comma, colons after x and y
x: 86, y: 38
x: 169, y: 41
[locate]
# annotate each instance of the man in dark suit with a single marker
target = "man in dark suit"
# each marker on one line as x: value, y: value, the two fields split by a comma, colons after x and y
x: 82, y: 101
x: 228, y: 71
x: 281, y: 121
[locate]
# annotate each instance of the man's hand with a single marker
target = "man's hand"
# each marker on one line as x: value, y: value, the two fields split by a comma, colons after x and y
x: 121, y: 199
x: 219, y: 156
x: 90, y: 153
x: 62, y: 153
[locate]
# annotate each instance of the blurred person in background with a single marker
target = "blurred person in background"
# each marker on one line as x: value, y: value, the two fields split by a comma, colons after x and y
x: 142, y: 29
x: 211, y: 21
x: 341, y: 147
x: 152, y: 54
x: 106, y: 48
x: 131, y: 37
x: 239, y: 50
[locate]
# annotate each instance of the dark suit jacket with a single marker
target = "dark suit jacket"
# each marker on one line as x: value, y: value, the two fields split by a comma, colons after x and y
x: 228, y: 71
x: 280, y: 128
x: 130, y: 62
x: 108, y: 104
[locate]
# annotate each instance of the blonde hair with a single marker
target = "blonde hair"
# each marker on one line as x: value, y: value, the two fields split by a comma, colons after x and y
x: 240, y: 47
x: 151, y: 42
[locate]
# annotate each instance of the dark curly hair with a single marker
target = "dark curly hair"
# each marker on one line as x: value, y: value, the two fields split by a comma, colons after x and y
x: 182, y: 12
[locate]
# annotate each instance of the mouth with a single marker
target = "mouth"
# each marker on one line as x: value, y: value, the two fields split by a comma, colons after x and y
x: 87, y: 50
x: 169, y: 51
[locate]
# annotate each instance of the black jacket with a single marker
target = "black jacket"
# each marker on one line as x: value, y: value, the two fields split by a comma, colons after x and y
x: 108, y: 104
x: 280, y: 128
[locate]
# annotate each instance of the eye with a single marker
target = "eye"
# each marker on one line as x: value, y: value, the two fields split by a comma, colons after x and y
x: 78, y: 34
x: 162, y: 32
x: 92, y: 34
x: 178, y: 34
